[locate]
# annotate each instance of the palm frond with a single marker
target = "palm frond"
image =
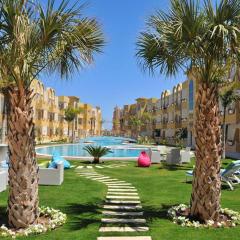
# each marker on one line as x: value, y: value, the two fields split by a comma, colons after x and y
x: 34, y: 39
x: 192, y: 35
x: 97, y: 151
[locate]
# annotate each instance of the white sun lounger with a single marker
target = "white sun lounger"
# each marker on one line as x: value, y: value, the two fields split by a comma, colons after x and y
x: 228, y: 175
x: 3, y: 180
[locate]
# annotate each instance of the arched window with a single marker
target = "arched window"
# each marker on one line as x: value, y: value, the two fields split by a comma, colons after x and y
x: 191, y: 95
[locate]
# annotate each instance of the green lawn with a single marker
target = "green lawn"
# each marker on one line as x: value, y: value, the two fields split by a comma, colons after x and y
x: 159, y: 187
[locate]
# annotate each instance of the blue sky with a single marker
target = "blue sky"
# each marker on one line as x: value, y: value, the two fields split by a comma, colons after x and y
x: 115, y: 78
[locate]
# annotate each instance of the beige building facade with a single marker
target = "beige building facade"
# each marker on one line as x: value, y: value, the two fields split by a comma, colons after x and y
x: 49, y: 111
x: 172, y: 113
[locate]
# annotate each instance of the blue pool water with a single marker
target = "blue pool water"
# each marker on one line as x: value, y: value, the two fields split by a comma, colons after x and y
x: 118, y: 147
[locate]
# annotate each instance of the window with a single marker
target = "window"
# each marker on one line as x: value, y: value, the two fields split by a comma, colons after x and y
x: 80, y: 121
x: 191, y: 95
x: 61, y: 105
x: 40, y: 114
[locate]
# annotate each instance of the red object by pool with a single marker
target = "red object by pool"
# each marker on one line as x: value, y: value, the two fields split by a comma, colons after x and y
x: 144, y: 160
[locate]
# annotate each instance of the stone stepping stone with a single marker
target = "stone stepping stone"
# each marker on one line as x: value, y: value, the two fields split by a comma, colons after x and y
x: 122, y: 190
x: 119, y: 184
x: 113, y: 182
x: 125, y: 238
x: 114, y: 213
x: 99, y: 167
x: 122, y: 202
x: 123, y: 207
x: 94, y: 175
x: 109, y: 166
x: 122, y: 197
x: 114, y: 166
x: 87, y: 172
x: 123, y: 229
x: 123, y: 220
x: 122, y: 193
x: 90, y: 175
x: 89, y: 167
x: 79, y: 167
x: 121, y: 187
x: 108, y: 181
x: 100, y: 178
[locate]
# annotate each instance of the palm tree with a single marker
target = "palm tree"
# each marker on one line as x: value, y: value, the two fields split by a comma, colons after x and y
x: 33, y: 39
x: 136, y: 123
x: 181, y: 134
x: 227, y: 98
x: 204, y: 40
x: 147, y: 120
x: 97, y: 152
x: 70, y: 115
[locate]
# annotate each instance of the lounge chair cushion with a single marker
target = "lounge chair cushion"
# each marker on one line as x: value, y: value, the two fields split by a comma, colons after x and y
x: 52, y: 164
x: 4, y: 164
x: 56, y: 158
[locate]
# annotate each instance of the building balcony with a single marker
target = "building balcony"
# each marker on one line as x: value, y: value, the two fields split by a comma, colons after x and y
x: 40, y: 104
x: 177, y: 107
x: 53, y: 108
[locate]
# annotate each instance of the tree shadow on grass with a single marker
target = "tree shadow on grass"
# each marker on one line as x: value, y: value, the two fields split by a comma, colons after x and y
x: 3, y: 216
x: 223, y: 187
x: 86, y: 162
x: 171, y: 167
x: 82, y: 215
x: 153, y: 213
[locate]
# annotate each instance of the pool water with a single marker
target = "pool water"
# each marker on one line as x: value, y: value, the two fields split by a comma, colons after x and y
x: 118, y: 146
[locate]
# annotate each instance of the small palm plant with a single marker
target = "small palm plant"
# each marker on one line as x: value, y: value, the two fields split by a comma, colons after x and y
x: 97, y: 152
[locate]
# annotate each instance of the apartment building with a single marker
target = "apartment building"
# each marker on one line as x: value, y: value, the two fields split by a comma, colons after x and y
x: 171, y: 113
x: 49, y: 110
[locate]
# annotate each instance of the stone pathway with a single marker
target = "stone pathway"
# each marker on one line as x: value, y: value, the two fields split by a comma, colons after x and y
x: 122, y: 211
x: 101, y: 167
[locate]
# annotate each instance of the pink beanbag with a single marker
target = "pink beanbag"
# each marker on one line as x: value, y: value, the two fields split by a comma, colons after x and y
x: 144, y: 160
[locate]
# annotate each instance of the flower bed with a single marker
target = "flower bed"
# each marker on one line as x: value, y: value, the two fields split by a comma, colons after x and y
x: 52, y: 220
x: 180, y: 215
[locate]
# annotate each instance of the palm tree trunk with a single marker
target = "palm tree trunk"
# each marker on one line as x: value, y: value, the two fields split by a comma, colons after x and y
x: 23, y: 172
x: 206, y: 188
x: 96, y: 160
x: 73, y: 131
x: 224, y: 135
x: 68, y: 130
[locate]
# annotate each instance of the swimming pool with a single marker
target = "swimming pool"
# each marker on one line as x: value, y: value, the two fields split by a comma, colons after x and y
x: 120, y: 148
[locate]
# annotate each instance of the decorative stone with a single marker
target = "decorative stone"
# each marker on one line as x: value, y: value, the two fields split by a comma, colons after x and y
x: 123, y: 207
x: 122, y: 202
x: 115, y: 213
x: 121, y: 190
x: 123, y: 220
x: 122, y: 197
x: 125, y: 238
x: 123, y: 229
